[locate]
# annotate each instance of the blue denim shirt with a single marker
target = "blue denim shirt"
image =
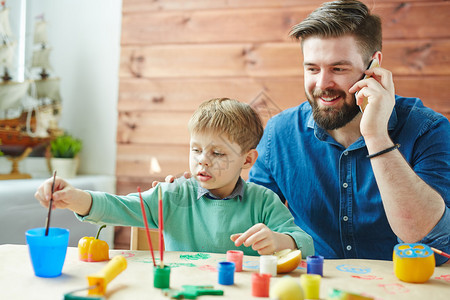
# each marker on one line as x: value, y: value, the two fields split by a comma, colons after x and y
x: 331, y: 190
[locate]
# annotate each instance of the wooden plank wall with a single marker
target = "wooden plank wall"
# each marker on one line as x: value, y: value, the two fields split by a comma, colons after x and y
x: 176, y: 54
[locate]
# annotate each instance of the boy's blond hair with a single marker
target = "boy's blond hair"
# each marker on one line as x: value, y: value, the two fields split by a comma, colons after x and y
x: 237, y: 120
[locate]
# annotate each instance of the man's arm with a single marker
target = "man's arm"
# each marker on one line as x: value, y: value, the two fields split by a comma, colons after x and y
x: 412, y: 207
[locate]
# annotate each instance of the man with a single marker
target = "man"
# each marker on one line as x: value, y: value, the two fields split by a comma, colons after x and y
x: 358, y: 183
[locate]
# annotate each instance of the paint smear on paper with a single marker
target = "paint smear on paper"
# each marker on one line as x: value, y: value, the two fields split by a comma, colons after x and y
x: 367, y: 277
x: 127, y: 254
x: 176, y: 265
x: 394, y: 288
x: 444, y: 277
x: 249, y: 264
x: 208, y: 268
x: 353, y: 269
x: 195, y: 257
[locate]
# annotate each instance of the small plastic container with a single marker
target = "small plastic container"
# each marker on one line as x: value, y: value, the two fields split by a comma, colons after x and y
x: 260, y: 285
x: 47, y: 252
x: 314, y: 265
x: 161, y: 277
x: 226, y: 272
x: 268, y: 265
x: 236, y: 256
x: 310, y: 284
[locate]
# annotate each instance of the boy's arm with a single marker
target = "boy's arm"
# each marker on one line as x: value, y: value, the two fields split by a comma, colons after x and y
x: 264, y: 240
x: 280, y: 220
x: 64, y: 196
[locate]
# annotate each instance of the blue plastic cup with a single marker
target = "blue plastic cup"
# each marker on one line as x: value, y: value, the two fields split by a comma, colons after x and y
x: 226, y: 272
x: 47, y: 253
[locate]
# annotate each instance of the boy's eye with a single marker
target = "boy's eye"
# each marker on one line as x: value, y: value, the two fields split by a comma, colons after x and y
x: 195, y: 150
x: 218, y: 154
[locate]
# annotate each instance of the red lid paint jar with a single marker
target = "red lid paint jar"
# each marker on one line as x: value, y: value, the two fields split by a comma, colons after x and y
x: 260, y: 285
x: 236, y: 256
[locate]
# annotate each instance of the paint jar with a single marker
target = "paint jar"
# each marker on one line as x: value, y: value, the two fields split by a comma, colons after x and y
x: 161, y: 277
x: 226, y: 272
x: 47, y: 252
x: 260, y: 285
x: 413, y: 262
x: 268, y: 265
x: 314, y: 265
x: 310, y: 284
x: 236, y: 256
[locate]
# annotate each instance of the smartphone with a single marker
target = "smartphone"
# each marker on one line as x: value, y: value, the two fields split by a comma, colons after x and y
x: 373, y: 64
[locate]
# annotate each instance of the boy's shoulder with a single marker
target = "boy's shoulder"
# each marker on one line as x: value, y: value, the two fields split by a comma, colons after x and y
x: 180, y: 184
x: 256, y: 190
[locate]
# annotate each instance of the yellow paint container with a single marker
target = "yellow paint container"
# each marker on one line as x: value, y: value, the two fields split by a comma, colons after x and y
x: 413, y: 262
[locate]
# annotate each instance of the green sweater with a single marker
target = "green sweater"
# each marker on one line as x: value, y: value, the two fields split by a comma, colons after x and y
x: 203, y: 224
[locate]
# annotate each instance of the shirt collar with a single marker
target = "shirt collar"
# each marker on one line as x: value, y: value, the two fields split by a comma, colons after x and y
x: 237, y: 192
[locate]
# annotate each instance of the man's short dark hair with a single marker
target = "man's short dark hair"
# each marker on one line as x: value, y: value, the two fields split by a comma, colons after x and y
x: 340, y: 18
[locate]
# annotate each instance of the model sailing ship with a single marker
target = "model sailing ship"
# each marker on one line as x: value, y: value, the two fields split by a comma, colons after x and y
x: 29, y: 110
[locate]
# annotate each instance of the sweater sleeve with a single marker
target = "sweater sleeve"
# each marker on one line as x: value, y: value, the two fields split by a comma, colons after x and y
x: 121, y: 210
x: 279, y: 219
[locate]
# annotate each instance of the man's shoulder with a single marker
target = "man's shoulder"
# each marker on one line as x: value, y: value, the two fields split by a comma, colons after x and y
x: 300, y: 112
x: 414, y: 106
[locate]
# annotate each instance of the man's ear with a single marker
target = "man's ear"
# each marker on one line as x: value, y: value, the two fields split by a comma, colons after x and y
x: 250, y: 159
x: 378, y: 55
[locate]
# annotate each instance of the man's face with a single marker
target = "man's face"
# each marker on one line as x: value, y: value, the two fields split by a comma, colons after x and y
x: 215, y: 162
x: 331, y: 67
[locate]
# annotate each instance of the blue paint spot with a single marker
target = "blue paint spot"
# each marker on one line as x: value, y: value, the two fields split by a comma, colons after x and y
x: 353, y: 269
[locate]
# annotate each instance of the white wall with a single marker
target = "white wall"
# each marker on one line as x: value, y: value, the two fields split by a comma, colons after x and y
x: 85, y: 35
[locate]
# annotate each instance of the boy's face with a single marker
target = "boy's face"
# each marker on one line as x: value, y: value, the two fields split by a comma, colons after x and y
x: 331, y: 67
x: 215, y: 162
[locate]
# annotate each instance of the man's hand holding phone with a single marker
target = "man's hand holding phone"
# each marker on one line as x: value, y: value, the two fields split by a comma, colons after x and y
x: 375, y: 94
x: 365, y: 100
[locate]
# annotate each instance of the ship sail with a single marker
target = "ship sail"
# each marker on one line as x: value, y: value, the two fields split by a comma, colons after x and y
x: 11, y: 94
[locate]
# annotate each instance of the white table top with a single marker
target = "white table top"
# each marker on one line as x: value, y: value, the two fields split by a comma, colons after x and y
x: 372, y: 277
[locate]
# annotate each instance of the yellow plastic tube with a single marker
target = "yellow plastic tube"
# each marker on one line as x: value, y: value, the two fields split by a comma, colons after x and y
x: 101, y: 279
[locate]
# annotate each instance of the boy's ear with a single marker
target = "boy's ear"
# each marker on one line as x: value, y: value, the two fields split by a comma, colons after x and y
x: 250, y: 159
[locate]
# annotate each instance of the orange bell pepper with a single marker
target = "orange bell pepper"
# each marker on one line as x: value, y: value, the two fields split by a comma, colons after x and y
x: 92, y: 249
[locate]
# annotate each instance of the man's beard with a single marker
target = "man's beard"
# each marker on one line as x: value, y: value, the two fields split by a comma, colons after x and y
x: 330, y: 118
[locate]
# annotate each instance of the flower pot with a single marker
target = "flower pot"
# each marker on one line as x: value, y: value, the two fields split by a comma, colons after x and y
x: 65, y: 167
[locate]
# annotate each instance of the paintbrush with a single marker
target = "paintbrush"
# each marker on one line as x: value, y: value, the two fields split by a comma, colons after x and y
x: 147, y: 230
x: 161, y: 227
x: 47, y: 221
x: 440, y: 252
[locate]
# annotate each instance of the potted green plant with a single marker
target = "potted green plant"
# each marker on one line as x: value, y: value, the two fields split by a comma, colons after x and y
x: 64, y: 152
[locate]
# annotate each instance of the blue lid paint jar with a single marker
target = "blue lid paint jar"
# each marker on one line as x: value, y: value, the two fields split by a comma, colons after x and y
x: 226, y: 272
x: 314, y: 265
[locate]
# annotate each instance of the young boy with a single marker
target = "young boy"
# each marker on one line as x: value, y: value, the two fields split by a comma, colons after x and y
x: 215, y: 210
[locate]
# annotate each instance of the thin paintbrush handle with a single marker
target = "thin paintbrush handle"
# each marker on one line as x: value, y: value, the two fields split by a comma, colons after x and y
x: 440, y: 252
x: 161, y: 227
x: 147, y: 230
x: 47, y: 222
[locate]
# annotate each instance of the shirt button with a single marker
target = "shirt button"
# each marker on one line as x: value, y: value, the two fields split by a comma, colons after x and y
x: 345, y: 185
x: 345, y: 218
x: 349, y: 247
x: 345, y: 152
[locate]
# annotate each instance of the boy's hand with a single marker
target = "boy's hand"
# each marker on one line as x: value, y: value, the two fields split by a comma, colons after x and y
x: 260, y: 237
x: 64, y: 196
